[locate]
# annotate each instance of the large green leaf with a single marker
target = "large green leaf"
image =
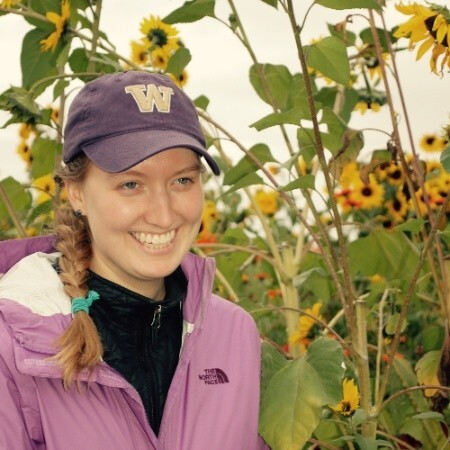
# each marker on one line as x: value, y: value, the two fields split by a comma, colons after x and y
x: 246, y: 165
x: 44, y: 153
x: 445, y: 158
x: 18, y: 196
x: 274, y: 84
x: 327, y: 357
x: 191, y: 11
x: 303, y: 182
x: 386, y: 253
x: 36, y: 64
x: 291, y: 406
x: 349, y: 4
x: 293, y: 397
x: 272, y: 362
x: 178, y: 61
x: 293, y: 117
x: 329, y: 57
x: 249, y: 180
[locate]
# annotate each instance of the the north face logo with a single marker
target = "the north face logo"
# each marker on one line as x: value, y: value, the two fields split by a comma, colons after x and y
x: 214, y: 376
x: 151, y: 96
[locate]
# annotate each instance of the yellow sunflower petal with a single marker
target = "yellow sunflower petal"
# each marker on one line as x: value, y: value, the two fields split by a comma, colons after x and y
x: 424, y: 47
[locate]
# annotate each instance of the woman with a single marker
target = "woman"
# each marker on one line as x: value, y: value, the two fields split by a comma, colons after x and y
x: 110, y: 335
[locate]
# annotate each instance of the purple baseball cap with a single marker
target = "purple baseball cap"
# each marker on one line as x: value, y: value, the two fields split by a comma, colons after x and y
x: 120, y: 119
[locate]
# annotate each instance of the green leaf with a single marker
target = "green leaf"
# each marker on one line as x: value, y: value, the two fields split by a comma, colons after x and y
x: 429, y: 415
x: 191, y: 11
x: 275, y: 85
x: 342, y: 33
x: 367, y: 37
x: 40, y: 210
x: 44, y: 153
x: 445, y: 159
x: 292, y: 116
x: 202, y: 102
x: 249, y: 180
x: 329, y: 57
x: 18, y: 196
x: 413, y: 225
x: 349, y: 4
x: 386, y: 253
x: 392, y: 324
x: 178, y: 61
x: 272, y: 362
x: 246, y: 166
x: 291, y: 406
x: 19, y: 103
x: 327, y: 357
x: 273, y: 3
x: 36, y: 64
x: 303, y: 182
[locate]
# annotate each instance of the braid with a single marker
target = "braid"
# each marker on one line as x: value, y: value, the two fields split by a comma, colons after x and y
x: 79, y: 346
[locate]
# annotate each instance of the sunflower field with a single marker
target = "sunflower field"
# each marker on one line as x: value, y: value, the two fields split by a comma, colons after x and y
x: 339, y: 248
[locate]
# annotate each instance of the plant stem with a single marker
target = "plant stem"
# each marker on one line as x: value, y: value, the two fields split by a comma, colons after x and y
x: 348, y: 295
x: 12, y: 214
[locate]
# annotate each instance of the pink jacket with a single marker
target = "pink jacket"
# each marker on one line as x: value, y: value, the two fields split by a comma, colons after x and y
x: 213, y: 400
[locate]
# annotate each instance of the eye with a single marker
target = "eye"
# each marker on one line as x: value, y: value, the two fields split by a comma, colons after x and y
x: 184, y: 180
x: 130, y: 185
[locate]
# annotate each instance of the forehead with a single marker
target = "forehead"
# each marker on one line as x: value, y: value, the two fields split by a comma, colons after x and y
x: 170, y: 161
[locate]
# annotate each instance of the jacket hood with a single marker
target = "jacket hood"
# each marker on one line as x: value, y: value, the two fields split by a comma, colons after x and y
x: 38, y: 310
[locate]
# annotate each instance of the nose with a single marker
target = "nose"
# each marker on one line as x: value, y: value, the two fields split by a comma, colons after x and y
x: 159, y: 209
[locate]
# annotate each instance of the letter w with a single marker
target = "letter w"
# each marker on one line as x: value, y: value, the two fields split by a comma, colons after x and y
x: 158, y: 96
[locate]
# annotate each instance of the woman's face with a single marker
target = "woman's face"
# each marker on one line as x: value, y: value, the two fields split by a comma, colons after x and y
x: 144, y: 220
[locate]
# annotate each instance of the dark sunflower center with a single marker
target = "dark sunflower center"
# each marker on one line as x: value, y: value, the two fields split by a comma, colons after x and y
x: 396, y: 204
x: 430, y: 140
x: 367, y: 191
x: 396, y: 174
x: 346, y: 407
x: 158, y: 37
x: 429, y: 24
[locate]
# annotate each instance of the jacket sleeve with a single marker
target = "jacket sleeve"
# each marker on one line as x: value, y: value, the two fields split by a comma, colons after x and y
x: 13, y: 410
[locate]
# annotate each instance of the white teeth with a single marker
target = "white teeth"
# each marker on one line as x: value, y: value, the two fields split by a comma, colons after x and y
x: 155, y: 239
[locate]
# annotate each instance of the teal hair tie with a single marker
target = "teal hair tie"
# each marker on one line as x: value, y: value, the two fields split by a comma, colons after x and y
x: 83, y: 303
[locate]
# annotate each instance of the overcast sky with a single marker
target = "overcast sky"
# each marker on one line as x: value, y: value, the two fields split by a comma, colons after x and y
x: 219, y: 68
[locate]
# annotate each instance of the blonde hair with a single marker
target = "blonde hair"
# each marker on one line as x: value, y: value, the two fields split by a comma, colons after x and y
x: 79, y: 346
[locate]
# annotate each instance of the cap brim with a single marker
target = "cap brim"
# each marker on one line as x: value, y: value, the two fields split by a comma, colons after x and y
x: 119, y: 153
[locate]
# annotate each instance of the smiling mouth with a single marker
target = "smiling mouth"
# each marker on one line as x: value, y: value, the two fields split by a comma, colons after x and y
x: 155, y: 241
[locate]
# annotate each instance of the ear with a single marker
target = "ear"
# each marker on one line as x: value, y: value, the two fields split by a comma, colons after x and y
x: 74, y: 194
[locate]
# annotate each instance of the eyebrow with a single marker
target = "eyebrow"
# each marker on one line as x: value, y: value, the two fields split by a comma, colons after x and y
x: 197, y: 167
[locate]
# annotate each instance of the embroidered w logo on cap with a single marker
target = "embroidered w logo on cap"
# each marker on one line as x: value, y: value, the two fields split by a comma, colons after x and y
x: 147, y: 97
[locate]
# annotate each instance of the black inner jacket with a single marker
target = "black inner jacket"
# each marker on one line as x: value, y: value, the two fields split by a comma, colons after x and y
x: 141, y: 337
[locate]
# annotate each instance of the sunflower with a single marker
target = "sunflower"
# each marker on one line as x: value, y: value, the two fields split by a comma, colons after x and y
x: 60, y: 22
x: 46, y: 186
x: 159, y: 34
x: 363, y: 106
x: 350, y: 398
x: 8, y: 3
x: 391, y: 172
x: 430, y: 24
x: 368, y: 195
x: 398, y: 207
x: 159, y: 58
x: 25, y: 130
x: 139, y: 53
x: 349, y: 175
x: 267, y: 201
x: 24, y: 151
x: 305, y: 324
x: 181, y: 79
x: 431, y: 143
